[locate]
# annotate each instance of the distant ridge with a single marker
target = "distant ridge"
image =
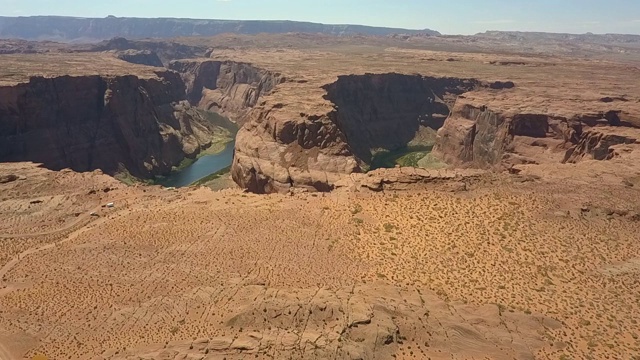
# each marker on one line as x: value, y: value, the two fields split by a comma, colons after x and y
x: 75, y: 29
x: 548, y: 36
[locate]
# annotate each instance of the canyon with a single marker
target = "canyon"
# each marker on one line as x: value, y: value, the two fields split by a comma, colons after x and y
x: 502, y: 223
x: 335, y: 125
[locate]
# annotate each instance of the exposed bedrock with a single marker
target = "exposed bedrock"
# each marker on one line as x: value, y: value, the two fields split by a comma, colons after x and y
x: 274, y: 153
x: 386, y: 111
x: 229, y: 88
x: 99, y: 122
x: 165, y: 51
x: 141, y: 57
x: 277, y: 150
x: 601, y: 144
x: 481, y: 137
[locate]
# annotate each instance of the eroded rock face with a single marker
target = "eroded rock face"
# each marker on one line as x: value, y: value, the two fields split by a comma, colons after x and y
x: 226, y: 87
x: 482, y: 137
x: 141, y: 57
x: 277, y: 150
x: 274, y: 153
x: 166, y: 51
x: 472, y: 135
x: 386, y: 110
x: 95, y: 122
x: 599, y: 144
x: 406, y: 178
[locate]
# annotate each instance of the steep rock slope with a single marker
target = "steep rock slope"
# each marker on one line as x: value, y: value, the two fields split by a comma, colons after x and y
x: 276, y: 150
x: 72, y: 28
x: 101, y: 122
x: 166, y: 51
x: 229, y: 88
x: 385, y: 111
x: 483, y: 137
x: 141, y: 57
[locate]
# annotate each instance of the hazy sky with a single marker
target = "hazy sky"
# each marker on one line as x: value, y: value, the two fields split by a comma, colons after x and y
x: 450, y: 17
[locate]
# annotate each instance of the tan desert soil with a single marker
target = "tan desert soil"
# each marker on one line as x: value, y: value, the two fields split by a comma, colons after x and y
x: 509, y: 269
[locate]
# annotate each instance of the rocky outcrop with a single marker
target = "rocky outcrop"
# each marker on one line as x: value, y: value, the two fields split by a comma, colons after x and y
x: 101, y: 122
x: 600, y: 144
x: 87, y: 29
x: 277, y: 150
x: 166, y: 51
x: 141, y: 57
x: 385, y: 111
x: 229, y: 88
x: 408, y: 178
x: 481, y: 137
x: 474, y: 135
x: 274, y: 154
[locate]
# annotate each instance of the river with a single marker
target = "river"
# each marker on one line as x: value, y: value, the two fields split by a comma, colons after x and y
x: 201, y: 168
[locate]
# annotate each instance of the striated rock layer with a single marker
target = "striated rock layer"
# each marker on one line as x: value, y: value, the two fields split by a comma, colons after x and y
x: 101, y: 122
x: 229, y: 88
x: 275, y: 152
x: 481, y: 137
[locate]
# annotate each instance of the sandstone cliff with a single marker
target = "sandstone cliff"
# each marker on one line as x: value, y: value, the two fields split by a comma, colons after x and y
x: 277, y: 150
x: 274, y: 153
x: 141, y: 57
x: 166, y: 51
x: 481, y: 137
x: 101, y: 122
x: 229, y: 88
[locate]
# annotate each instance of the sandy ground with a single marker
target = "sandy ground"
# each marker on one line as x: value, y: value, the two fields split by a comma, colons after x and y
x: 508, y: 269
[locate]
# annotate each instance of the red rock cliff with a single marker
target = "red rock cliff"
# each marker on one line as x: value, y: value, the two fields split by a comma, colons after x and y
x: 279, y: 149
x: 101, y: 122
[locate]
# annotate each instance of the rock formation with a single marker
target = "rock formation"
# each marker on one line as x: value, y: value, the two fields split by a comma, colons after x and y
x: 385, y: 111
x: 166, y: 51
x: 101, y: 122
x: 279, y: 149
x: 601, y: 144
x: 141, y: 57
x: 226, y: 87
x: 483, y: 137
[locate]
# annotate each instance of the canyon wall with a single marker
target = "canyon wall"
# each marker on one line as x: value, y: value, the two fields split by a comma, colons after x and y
x: 229, y: 88
x: 101, y: 122
x: 385, y: 111
x: 481, y: 137
x: 277, y: 150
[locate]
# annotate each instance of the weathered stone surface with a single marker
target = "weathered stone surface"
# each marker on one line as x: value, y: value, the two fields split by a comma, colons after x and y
x: 101, y: 122
x: 599, y: 144
x: 226, y: 87
x: 407, y: 177
x: 4, y: 179
x: 483, y: 137
x: 141, y: 57
x: 275, y: 152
